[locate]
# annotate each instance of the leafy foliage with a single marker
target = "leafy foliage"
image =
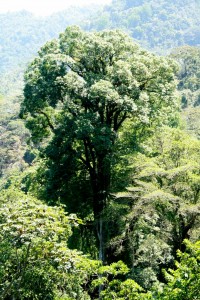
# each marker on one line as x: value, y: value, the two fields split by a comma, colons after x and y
x: 192, y: 120
x: 93, y: 103
x: 78, y: 93
x: 189, y: 85
x: 22, y: 34
x: 183, y: 283
x: 114, y: 287
x: 36, y: 262
x: 161, y: 207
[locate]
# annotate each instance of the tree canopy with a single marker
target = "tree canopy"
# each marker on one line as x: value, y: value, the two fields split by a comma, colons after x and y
x: 78, y: 93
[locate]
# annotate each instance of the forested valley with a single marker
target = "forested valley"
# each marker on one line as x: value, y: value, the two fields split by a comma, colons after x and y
x: 100, y: 152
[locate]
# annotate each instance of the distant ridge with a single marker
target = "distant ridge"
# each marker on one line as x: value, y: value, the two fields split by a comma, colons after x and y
x: 158, y: 25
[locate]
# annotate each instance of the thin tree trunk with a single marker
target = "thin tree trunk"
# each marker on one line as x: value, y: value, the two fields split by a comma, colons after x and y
x: 101, y: 238
x: 100, y: 233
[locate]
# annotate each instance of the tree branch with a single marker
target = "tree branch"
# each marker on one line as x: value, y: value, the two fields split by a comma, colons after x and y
x: 117, y: 123
x: 48, y: 120
x: 92, y: 153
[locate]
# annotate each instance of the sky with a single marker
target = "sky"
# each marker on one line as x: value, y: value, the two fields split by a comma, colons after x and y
x: 44, y: 7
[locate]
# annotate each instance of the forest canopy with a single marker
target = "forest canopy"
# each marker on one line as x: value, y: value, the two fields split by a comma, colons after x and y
x: 99, y: 193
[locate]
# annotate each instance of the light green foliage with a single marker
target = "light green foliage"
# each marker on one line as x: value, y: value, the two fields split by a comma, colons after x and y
x: 162, y: 203
x: 83, y: 92
x: 36, y: 262
x: 156, y: 25
x: 113, y: 287
x: 189, y: 60
x: 184, y: 281
x: 22, y: 34
x: 12, y: 136
x: 191, y: 117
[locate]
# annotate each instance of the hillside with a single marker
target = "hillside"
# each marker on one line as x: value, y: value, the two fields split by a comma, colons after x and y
x: 22, y: 33
x: 21, y: 36
x: 156, y: 25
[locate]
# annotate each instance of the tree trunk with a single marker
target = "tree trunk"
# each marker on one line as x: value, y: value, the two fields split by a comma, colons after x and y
x: 101, y: 238
x: 100, y: 181
x: 99, y: 205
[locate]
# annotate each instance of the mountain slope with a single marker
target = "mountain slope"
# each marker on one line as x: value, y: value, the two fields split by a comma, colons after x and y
x: 22, y: 34
x: 158, y: 25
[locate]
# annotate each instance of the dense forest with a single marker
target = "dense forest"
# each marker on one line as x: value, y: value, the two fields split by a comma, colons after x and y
x: 157, y: 25
x: 100, y: 152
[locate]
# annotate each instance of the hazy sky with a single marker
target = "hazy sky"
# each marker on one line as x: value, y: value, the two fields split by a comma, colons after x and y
x: 44, y: 7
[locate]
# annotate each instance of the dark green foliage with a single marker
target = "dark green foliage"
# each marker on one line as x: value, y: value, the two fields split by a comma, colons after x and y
x: 78, y: 93
x: 189, y: 74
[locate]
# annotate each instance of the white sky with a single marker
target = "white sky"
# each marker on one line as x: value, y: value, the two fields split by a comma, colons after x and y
x: 44, y: 7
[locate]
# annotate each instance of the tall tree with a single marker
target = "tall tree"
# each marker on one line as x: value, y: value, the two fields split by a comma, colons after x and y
x: 80, y: 90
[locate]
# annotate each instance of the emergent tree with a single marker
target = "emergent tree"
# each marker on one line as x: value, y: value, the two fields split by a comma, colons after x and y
x: 80, y: 90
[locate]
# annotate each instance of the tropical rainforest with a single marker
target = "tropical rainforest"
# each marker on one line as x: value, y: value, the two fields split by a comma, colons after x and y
x: 100, y: 152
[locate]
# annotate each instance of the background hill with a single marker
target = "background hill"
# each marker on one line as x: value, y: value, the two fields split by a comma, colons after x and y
x: 21, y: 36
x: 156, y: 25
